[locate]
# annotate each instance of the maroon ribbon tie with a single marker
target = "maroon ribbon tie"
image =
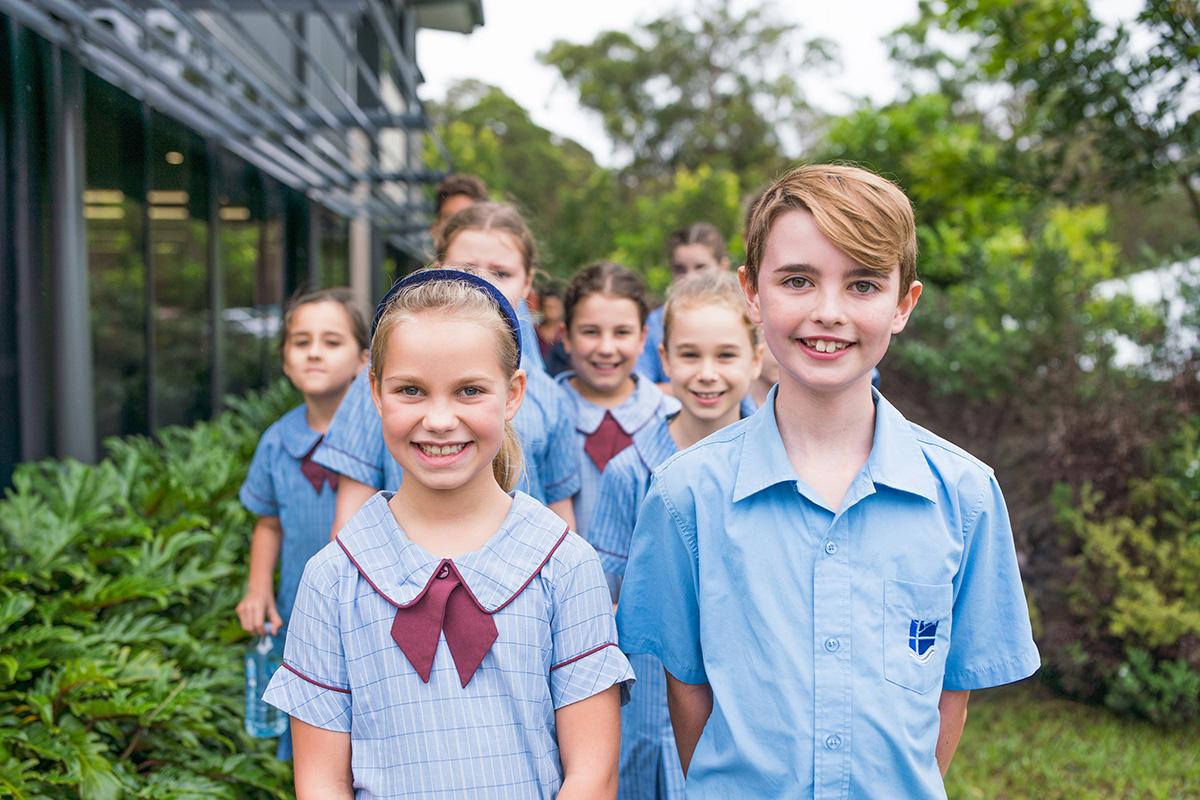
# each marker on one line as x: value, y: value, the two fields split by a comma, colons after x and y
x: 445, y: 605
x: 609, y: 439
x: 315, y: 473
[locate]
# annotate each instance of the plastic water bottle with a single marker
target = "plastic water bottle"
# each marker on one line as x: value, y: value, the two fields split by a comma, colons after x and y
x: 262, y: 659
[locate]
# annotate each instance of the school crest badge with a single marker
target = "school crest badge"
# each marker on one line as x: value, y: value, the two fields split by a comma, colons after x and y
x: 922, y: 635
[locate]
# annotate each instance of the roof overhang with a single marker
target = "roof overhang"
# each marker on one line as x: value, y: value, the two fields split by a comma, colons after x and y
x: 457, y: 16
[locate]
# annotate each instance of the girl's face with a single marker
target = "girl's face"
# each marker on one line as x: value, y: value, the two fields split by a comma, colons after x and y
x: 694, y: 259
x: 710, y: 360
x: 604, y: 341
x: 496, y: 254
x: 443, y: 399
x: 320, y: 354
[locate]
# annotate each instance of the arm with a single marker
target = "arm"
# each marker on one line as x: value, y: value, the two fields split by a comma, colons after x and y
x: 258, y: 604
x: 952, y: 708
x: 351, y: 495
x: 690, y: 705
x: 589, y: 743
x: 565, y: 508
x: 322, y: 763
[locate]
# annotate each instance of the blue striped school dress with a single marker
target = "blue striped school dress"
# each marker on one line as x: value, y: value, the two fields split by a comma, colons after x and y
x: 636, y: 416
x: 649, y: 760
x: 276, y: 487
x: 410, y: 738
x: 649, y: 363
x: 354, y: 445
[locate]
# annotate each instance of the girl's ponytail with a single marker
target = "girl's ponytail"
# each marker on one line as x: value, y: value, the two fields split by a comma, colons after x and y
x: 507, y: 464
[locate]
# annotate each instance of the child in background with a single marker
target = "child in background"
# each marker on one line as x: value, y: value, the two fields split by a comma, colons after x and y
x: 825, y: 582
x: 455, y: 639
x: 323, y: 344
x: 768, y: 376
x: 495, y: 239
x: 614, y: 408
x: 696, y: 249
x: 551, y: 329
x: 711, y: 353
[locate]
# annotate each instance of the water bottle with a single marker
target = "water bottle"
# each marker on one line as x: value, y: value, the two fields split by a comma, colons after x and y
x: 262, y: 659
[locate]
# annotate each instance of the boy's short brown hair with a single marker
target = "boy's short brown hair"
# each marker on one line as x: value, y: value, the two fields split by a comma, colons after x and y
x: 467, y: 185
x: 867, y: 217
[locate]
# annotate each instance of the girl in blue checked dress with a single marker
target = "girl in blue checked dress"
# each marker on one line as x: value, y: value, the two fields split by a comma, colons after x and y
x: 711, y: 353
x: 456, y: 639
x: 614, y: 407
x: 324, y: 343
x: 495, y: 240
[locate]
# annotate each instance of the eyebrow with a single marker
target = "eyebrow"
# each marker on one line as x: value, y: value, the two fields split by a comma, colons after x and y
x: 859, y: 271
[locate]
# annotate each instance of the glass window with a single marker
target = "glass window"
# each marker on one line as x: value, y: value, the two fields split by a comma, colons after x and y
x: 113, y: 214
x: 335, y: 249
x: 178, y: 230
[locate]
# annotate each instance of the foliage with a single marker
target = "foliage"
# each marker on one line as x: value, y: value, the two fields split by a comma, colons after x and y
x: 1133, y: 596
x: 1095, y: 105
x: 120, y: 672
x: 714, y: 87
x: 1023, y: 742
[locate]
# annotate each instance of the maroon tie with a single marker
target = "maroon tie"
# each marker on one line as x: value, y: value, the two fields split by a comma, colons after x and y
x: 445, y: 605
x: 315, y: 473
x: 606, y: 441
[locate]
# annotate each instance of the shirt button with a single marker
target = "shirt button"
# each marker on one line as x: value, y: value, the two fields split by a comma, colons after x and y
x: 832, y: 645
x: 830, y: 548
x: 834, y: 742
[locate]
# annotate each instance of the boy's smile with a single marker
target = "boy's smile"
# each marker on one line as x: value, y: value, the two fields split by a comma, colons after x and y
x: 827, y: 319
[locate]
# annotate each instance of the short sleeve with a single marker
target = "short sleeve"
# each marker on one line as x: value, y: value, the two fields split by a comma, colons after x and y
x: 586, y: 658
x: 354, y: 446
x: 312, y: 684
x: 610, y: 529
x: 258, y: 490
x: 560, y: 468
x: 659, y: 611
x: 991, y: 642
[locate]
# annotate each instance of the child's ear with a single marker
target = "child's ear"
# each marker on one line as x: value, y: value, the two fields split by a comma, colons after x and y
x: 751, y: 293
x: 516, y: 395
x: 662, y: 359
x: 905, y: 307
x: 376, y: 392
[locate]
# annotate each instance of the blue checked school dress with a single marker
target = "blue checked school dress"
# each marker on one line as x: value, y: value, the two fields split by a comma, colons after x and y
x: 649, y: 760
x: 466, y: 710
x: 354, y: 445
x: 601, y: 433
x: 284, y: 482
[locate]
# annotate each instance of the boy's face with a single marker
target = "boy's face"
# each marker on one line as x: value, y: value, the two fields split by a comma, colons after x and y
x: 827, y: 319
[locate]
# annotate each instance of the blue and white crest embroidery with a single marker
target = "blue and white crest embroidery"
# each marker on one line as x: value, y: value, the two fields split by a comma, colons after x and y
x: 922, y: 634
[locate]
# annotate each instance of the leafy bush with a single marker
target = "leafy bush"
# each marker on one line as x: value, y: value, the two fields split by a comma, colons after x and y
x: 1134, y: 593
x: 120, y: 656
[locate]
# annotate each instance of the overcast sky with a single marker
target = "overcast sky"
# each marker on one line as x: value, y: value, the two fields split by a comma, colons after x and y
x: 504, y: 51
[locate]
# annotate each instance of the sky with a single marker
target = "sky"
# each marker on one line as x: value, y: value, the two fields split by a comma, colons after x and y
x: 504, y: 52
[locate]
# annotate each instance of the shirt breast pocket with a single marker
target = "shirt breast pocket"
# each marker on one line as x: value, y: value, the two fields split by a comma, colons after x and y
x: 916, y: 633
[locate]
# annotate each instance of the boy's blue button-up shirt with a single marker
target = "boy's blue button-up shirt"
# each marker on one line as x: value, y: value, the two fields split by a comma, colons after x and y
x: 826, y: 636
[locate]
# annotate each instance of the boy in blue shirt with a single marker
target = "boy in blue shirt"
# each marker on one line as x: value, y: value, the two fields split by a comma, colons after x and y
x: 825, y: 582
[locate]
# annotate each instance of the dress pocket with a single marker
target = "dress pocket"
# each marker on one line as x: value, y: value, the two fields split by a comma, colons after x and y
x: 916, y: 633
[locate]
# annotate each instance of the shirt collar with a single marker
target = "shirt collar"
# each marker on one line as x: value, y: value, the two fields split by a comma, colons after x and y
x: 298, y: 439
x: 399, y: 569
x: 637, y: 409
x: 896, y: 458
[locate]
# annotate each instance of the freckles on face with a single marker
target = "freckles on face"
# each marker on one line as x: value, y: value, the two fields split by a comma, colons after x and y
x: 442, y: 399
x: 496, y: 254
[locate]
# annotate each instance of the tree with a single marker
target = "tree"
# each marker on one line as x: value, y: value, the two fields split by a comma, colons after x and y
x: 713, y: 88
x: 1099, y: 107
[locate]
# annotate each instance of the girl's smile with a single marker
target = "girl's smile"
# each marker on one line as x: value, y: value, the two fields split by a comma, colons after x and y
x: 605, y: 339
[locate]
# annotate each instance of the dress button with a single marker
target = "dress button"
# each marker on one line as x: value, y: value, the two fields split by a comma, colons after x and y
x: 834, y: 742
x: 832, y: 645
x: 830, y: 548
x: 444, y: 572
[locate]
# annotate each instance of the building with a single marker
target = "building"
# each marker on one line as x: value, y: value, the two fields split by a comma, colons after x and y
x: 172, y: 171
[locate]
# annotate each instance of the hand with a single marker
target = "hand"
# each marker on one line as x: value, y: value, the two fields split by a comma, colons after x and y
x: 256, y: 608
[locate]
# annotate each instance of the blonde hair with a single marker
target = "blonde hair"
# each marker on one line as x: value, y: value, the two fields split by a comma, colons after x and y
x: 708, y: 289
x: 867, y: 217
x: 459, y: 300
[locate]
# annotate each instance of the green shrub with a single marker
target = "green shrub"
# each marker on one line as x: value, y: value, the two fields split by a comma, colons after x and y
x: 1134, y: 590
x: 120, y: 656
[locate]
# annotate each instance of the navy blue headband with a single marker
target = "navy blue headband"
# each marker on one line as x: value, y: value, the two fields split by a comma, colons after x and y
x: 469, y: 278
